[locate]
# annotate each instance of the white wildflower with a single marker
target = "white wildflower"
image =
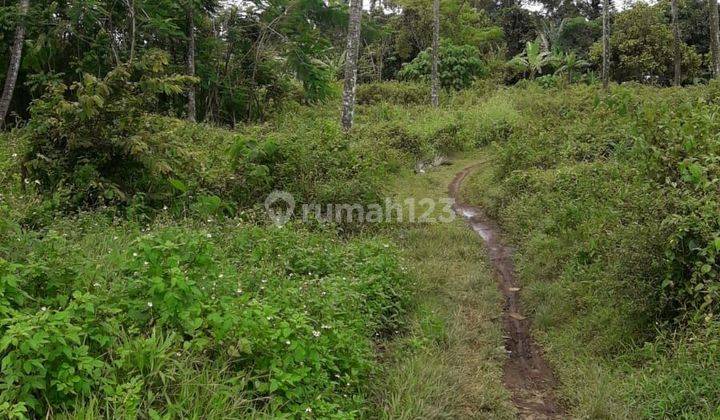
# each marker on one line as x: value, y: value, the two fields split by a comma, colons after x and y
x: 316, y: 334
x: 44, y: 308
x: 150, y: 305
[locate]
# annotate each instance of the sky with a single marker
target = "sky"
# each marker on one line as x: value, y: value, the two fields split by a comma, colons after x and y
x: 528, y: 4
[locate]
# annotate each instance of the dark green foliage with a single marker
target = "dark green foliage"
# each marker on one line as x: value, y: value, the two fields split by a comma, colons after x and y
x: 642, y: 48
x: 578, y: 35
x: 459, y: 66
x: 91, y: 143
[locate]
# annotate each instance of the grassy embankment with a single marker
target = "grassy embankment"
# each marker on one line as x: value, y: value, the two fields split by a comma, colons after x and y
x: 612, y: 202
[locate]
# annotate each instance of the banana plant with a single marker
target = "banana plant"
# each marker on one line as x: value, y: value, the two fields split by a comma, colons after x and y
x: 532, y: 60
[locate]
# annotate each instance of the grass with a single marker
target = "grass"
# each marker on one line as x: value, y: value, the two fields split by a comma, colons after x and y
x: 612, y: 229
x: 450, y: 363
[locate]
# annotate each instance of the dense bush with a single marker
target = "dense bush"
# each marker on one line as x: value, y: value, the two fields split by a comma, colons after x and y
x: 458, y: 66
x: 91, y: 143
x: 642, y: 48
x: 282, y: 317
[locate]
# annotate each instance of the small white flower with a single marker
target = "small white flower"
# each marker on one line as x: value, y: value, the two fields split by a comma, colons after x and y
x: 96, y: 284
x: 178, y: 354
x: 209, y: 235
x: 135, y: 254
x: 238, y: 291
x: 308, y: 410
x: 325, y: 327
x: 37, y: 181
x: 165, y: 208
x: 150, y: 305
x: 316, y: 334
x: 287, y: 342
x: 44, y: 308
x: 14, y: 155
x: 221, y: 275
x: 264, y: 280
x: 146, y: 263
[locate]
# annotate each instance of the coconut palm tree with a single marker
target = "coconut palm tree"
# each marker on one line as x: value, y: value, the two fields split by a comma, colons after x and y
x: 351, y: 64
x: 435, y: 91
x: 15, y: 58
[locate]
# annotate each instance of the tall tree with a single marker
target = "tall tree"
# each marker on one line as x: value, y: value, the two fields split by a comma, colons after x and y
x: 714, y: 37
x: 351, y: 64
x: 606, y: 44
x: 191, y: 113
x: 435, y: 94
x: 677, y: 52
x: 14, y: 67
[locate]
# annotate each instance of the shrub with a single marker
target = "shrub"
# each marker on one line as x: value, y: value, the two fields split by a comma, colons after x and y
x: 286, y: 317
x: 91, y: 142
x: 396, y: 93
x: 458, y: 66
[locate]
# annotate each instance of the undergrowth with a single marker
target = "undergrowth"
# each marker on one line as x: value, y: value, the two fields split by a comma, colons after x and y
x: 612, y: 201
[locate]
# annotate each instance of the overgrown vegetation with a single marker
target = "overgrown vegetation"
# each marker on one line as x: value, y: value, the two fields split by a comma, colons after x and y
x: 610, y: 199
x: 141, y: 277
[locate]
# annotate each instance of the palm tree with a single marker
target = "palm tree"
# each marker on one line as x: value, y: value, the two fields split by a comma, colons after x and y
x: 570, y: 65
x: 434, y: 95
x: 191, y: 62
x: 351, y: 64
x: 14, y: 67
x: 677, y: 52
x: 714, y: 36
x: 532, y: 60
x: 606, y: 44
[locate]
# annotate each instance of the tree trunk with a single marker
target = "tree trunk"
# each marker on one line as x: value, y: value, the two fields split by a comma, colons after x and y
x: 351, y: 62
x: 191, y: 113
x: 14, y: 67
x: 133, y: 30
x: 676, y: 43
x: 606, y: 45
x: 435, y: 92
x: 714, y: 37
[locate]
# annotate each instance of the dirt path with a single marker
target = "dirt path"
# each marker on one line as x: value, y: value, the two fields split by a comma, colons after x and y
x: 526, y: 374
